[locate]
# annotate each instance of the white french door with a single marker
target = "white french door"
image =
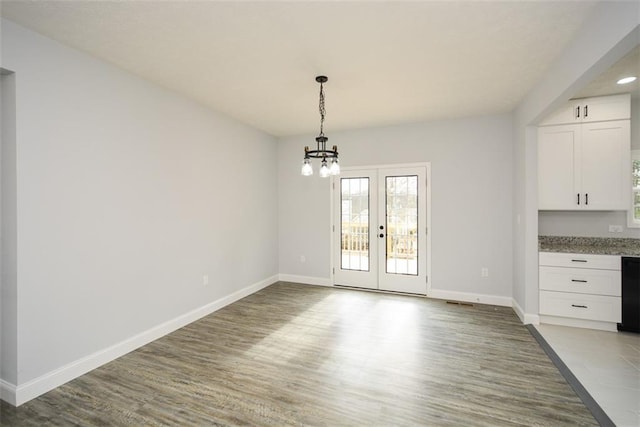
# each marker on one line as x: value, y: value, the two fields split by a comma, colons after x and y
x: 380, y: 229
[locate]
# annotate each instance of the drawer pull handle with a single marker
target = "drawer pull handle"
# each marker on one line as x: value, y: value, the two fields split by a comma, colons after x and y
x: 578, y: 281
x: 578, y: 260
x: 579, y: 306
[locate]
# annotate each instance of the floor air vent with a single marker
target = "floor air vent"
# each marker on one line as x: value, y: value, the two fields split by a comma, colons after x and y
x: 465, y: 304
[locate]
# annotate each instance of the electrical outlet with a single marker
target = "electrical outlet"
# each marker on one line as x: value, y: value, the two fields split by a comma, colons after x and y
x: 205, y: 280
x: 484, y: 272
x: 615, y: 229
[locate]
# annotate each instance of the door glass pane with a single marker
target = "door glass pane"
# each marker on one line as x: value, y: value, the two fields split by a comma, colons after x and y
x: 402, y: 225
x: 354, y: 224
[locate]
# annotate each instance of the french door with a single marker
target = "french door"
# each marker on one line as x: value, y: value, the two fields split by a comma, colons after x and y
x: 380, y: 229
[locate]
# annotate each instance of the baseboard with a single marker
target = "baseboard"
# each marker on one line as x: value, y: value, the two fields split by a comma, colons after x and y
x: 579, y: 323
x: 38, y: 386
x: 8, y: 392
x: 307, y: 280
x: 525, y: 318
x: 469, y: 297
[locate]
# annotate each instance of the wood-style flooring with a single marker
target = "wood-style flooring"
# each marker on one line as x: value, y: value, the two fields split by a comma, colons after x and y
x: 305, y: 355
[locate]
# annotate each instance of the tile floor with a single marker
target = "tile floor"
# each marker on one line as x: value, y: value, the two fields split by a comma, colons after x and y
x: 606, y: 363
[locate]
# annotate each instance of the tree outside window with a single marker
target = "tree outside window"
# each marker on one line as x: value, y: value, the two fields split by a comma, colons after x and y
x: 634, y: 213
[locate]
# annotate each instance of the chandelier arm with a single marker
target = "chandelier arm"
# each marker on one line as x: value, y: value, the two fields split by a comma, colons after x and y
x: 320, y: 154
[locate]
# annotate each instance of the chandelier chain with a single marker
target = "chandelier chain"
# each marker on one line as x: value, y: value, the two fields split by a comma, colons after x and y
x: 323, y: 112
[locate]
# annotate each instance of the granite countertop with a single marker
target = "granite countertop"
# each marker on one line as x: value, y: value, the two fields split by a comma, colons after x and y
x: 590, y: 245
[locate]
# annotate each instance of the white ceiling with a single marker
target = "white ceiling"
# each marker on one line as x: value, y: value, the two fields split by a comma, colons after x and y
x: 606, y: 83
x: 387, y: 62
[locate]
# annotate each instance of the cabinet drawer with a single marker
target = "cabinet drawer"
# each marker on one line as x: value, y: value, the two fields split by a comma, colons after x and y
x: 581, y: 306
x: 580, y: 280
x: 557, y: 259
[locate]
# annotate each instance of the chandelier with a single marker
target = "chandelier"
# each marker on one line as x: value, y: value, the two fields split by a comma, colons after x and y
x: 321, y: 151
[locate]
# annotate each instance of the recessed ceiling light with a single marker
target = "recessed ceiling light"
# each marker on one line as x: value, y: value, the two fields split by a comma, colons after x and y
x: 626, y: 80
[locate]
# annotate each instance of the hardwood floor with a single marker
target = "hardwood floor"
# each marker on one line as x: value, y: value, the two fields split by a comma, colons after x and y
x: 305, y: 355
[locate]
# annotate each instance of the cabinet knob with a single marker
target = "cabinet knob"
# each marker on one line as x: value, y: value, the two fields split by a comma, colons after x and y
x: 381, y: 235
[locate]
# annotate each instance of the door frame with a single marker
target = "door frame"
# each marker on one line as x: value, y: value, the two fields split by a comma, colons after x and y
x: 334, y: 229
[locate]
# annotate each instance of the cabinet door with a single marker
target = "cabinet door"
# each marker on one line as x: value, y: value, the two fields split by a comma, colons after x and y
x: 556, y: 167
x: 601, y: 108
x: 604, y: 155
x: 567, y: 114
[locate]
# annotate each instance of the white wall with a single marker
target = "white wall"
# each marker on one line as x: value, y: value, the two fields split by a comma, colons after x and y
x: 609, y: 33
x: 127, y: 194
x: 584, y: 224
x: 8, y: 288
x: 471, y: 198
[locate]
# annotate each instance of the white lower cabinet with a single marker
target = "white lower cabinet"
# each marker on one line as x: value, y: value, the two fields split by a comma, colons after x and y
x: 581, y: 306
x: 579, y: 287
x: 580, y: 280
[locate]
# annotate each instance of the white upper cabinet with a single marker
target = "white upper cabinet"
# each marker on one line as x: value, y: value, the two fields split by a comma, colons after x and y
x: 557, y: 151
x: 597, y: 109
x: 605, y: 165
x: 586, y: 166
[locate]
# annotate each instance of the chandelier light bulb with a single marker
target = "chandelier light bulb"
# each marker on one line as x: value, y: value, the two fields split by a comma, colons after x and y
x: 324, y: 169
x: 335, y: 167
x: 307, y: 169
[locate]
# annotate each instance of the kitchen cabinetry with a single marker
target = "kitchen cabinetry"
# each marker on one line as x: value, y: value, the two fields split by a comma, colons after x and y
x: 580, y: 290
x: 596, y: 109
x: 584, y: 166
